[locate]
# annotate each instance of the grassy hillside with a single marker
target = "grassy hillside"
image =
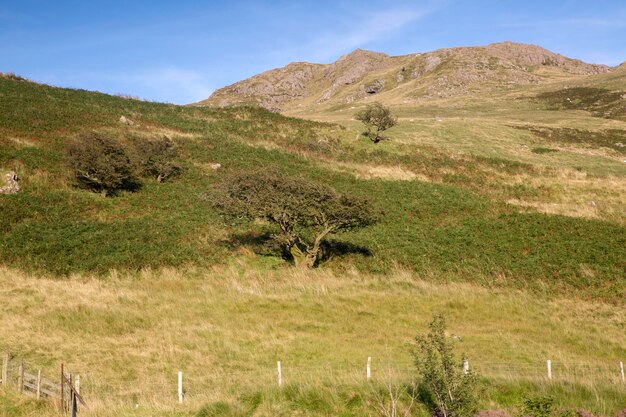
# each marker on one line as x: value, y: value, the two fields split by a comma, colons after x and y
x: 129, y: 289
x: 430, y: 228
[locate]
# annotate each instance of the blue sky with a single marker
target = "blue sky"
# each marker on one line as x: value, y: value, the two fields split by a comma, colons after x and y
x: 180, y: 51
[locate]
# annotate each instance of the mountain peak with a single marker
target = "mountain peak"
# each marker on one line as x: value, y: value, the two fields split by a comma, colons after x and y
x: 422, y: 76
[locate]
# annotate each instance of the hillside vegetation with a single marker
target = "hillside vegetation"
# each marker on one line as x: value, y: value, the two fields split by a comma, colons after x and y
x: 430, y: 228
x: 485, y: 216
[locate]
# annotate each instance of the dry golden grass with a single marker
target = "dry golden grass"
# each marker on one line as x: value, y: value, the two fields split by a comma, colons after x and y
x: 128, y: 334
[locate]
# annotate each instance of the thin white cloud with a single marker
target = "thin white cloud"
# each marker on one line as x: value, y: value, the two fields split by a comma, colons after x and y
x: 360, y: 29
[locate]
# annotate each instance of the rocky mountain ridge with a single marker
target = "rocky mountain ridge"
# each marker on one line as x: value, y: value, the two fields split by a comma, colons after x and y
x: 421, y: 76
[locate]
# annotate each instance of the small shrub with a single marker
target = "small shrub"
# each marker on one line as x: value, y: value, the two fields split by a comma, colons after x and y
x: 543, y: 150
x: 538, y: 406
x: 157, y: 158
x: 442, y: 385
x: 101, y: 164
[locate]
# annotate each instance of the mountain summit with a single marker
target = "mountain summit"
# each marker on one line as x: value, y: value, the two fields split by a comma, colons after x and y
x: 402, y: 79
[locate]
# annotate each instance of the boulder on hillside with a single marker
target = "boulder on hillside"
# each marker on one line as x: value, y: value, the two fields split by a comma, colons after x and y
x: 126, y: 121
x: 11, y: 181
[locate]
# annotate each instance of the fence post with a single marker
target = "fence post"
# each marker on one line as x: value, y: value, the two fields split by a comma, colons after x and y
x: 369, y: 368
x: 77, y: 384
x: 280, y: 374
x: 62, y: 389
x: 621, y: 368
x: 5, y: 368
x: 39, y: 384
x: 549, y: 366
x: 465, y: 366
x: 20, y: 378
x: 180, y: 387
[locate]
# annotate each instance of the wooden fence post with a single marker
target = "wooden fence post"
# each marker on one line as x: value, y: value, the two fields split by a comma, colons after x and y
x: 465, y: 366
x: 549, y: 366
x: 77, y: 384
x: 62, y: 389
x: 5, y: 368
x: 20, y: 378
x: 280, y: 374
x: 39, y: 384
x: 621, y: 368
x: 369, y: 368
x: 180, y: 387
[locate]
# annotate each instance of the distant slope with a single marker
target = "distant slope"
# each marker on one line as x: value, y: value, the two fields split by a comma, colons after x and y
x: 402, y: 79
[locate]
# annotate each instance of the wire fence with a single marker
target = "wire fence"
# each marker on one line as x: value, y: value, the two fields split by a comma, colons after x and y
x: 196, y: 384
x: 190, y: 384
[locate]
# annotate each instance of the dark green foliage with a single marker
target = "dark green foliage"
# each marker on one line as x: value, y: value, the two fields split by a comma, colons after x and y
x: 611, y: 138
x: 442, y: 384
x: 304, y: 212
x: 156, y: 158
x: 101, y: 164
x: 538, y: 407
x: 377, y: 118
x: 600, y: 102
x: 541, y: 150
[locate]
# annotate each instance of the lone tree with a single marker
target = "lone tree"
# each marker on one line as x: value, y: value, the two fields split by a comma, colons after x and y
x: 442, y: 384
x: 101, y: 164
x: 377, y: 118
x: 303, y: 212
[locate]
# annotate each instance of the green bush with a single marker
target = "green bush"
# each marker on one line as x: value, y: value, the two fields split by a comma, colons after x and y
x: 443, y: 386
x: 538, y: 407
x: 156, y: 158
x: 101, y: 164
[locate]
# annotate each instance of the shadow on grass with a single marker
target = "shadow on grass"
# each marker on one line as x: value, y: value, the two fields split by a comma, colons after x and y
x: 264, y: 244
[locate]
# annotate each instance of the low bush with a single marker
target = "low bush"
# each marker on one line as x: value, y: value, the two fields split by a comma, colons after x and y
x: 101, y: 164
x: 156, y: 158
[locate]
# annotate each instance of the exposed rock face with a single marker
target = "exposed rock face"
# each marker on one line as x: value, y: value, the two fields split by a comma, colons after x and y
x: 270, y: 89
x: 12, y: 185
x: 374, y: 87
x: 441, y: 73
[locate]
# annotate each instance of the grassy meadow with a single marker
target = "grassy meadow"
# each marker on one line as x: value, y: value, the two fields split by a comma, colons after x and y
x: 128, y: 335
x: 523, y: 249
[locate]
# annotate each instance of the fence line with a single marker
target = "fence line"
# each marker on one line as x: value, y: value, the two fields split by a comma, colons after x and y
x: 182, y: 385
x: 66, y: 393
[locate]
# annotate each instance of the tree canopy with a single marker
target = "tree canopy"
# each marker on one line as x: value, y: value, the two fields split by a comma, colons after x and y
x: 303, y: 212
x: 377, y: 118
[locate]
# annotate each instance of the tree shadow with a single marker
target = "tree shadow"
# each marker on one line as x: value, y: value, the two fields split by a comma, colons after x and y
x: 265, y: 244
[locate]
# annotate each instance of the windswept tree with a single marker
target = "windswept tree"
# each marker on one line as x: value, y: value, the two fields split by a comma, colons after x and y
x: 377, y: 118
x: 303, y: 213
x: 101, y: 164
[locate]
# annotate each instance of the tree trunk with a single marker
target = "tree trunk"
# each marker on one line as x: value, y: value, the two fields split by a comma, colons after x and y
x: 300, y: 259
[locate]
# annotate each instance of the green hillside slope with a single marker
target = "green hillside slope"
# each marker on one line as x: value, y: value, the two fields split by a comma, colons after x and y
x: 445, y: 231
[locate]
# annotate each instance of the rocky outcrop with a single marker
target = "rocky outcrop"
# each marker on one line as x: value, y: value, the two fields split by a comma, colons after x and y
x: 437, y: 74
x: 11, y: 184
x: 270, y: 89
x: 374, y: 87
